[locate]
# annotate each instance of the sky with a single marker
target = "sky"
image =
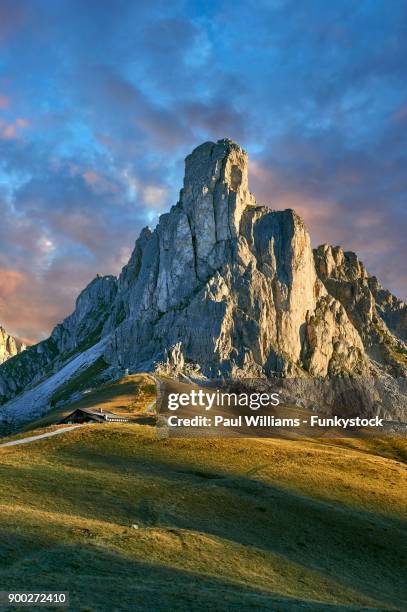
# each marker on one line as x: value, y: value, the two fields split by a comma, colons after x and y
x: 101, y: 100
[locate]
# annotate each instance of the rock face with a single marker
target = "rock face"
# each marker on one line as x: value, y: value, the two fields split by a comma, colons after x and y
x: 77, y: 333
x: 379, y: 317
x: 226, y: 287
x: 9, y: 346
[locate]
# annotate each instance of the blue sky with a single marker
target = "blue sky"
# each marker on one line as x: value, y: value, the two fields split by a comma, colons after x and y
x: 101, y: 100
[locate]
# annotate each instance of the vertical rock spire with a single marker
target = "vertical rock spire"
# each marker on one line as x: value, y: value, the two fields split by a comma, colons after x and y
x: 214, y: 196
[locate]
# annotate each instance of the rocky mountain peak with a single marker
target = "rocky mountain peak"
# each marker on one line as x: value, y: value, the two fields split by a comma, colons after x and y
x: 334, y: 262
x: 225, y: 287
x: 223, y: 162
x: 213, y: 198
x: 9, y: 345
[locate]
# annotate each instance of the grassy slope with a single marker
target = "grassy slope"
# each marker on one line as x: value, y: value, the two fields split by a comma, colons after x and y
x: 125, y: 397
x: 223, y: 524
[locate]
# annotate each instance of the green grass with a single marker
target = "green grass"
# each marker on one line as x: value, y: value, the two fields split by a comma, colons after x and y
x: 127, y: 397
x: 231, y: 524
x: 400, y: 355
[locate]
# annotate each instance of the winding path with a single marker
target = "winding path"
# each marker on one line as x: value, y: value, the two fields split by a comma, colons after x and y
x: 39, y: 436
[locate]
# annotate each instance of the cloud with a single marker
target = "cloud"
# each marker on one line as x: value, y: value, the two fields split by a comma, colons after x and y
x: 10, y: 280
x: 11, y: 131
x: 62, y: 223
x: 4, y: 102
x: 26, y: 309
x: 133, y: 114
x: 30, y: 306
x: 99, y: 183
x: 154, y: 196
x: 101, y: 101
x: 12, y: 17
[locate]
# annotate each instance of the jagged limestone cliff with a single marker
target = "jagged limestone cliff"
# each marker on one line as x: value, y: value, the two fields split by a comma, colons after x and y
x: 9, y: 346
x: 379, y: 317
x: 226, y: 287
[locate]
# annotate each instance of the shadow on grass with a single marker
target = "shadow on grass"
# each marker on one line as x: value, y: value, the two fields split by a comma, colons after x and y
x: 101, y: 580
x: 360, y: 550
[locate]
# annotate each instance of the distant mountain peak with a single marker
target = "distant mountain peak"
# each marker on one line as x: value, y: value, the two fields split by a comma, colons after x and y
x: 9, y: 345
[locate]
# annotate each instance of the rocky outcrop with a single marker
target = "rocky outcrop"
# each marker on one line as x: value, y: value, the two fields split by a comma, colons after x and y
x: 226, y: 287
x: 9, y: 346
x: 379, y: 317
x: 84, y: 326
x: 78, y: 332
x: 332, y: 345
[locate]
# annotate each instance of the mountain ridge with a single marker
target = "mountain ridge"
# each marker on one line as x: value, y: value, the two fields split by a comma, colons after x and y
x: 225, y: 287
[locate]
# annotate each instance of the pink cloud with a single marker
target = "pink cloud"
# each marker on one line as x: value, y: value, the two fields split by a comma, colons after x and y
x: 11, y: 131
x: 9, y: 281
x: 4, y: 102
x: 21, y: 122
x: 31, y: 305
x: 98, y: 182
